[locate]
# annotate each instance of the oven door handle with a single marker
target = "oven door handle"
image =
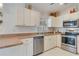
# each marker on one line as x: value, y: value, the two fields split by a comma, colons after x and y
x: 68, y: 36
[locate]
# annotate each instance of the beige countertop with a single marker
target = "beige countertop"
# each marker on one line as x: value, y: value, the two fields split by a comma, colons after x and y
x: 28, y: 34
x: 9, y: 40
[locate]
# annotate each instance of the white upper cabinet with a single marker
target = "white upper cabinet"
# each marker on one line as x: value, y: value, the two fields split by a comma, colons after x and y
x: 54, y: 22
x: 27, y: 17
x: 35, y: 18
x: 20, y: 16
x: 58, y: 22
x: 51, y: 21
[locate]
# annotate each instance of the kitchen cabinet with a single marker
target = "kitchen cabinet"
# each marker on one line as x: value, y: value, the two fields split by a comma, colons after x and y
x: 46, y: 43
x: 27, y: 17
x: 25, y: 49
x: 28, y: 43
x: 50, y: 21
x: 52, y: 41
x: 54, y: 22
x: 20, y: 16
x: 49, y: 42
x: 33, y: 45
x: 18, y: 50
x: 58, y: 39
x: 58, y: 22
x: 35, y: 18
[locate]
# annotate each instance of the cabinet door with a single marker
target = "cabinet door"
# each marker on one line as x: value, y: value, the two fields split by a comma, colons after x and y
x: 49, y: 42
x: 50, y: 21
x: 33, y: 15
x: 29, y: 47
x: 35, y: 18
x: 27, y: 17
x: 28, y: 43
x: 20, y: 16
x: 58, y: 38
x: 46, y: 43
x: 57, y: 22
x: 53, y: 41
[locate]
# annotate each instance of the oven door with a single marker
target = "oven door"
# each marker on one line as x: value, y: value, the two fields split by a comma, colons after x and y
x: 69, y: 40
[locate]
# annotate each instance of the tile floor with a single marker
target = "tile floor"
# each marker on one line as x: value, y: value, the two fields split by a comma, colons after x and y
x: 57, y: 52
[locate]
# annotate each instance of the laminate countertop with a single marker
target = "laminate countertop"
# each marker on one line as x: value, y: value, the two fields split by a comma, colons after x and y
x: 9, y: 40
x: 28, y: 34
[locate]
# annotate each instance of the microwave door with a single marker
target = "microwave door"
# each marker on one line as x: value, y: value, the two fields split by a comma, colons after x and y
x: 70, y: 24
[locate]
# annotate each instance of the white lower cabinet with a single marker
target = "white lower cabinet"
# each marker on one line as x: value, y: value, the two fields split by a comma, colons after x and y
x: 26, y: 49
x: 46, y: 43
x: 28, y: 45
x: 58, y: 38
x: 13, y: 51
x: 52, y: 41
x: 49, y: 42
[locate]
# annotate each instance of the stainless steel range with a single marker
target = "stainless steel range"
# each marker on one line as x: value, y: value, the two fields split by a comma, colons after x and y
x: 69, y: 42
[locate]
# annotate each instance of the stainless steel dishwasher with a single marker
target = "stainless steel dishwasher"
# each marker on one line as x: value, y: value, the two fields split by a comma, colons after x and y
x: 38, y: 45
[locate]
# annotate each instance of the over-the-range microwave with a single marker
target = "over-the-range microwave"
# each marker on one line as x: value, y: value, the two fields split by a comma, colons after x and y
x: 72, y: 23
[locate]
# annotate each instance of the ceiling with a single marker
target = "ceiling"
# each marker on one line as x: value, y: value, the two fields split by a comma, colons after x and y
x: 48, y: 7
